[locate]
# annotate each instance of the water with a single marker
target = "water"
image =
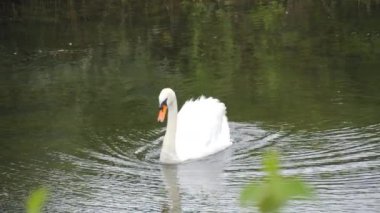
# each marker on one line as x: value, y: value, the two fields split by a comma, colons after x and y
x: 78, y: 101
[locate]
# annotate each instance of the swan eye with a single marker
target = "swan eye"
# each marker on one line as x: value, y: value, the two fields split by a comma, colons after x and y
x: 162, y: 112
x: 163, y: 103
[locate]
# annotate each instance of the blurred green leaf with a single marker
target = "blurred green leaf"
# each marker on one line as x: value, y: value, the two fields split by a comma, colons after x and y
x: 251, y: 193
x: 36, y: 200
x: 270, y: 163
x: 296, y: 188
x: 274, y: 190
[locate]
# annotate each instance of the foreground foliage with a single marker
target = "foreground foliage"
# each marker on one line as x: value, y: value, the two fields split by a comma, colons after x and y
x: 36, y: 200
x: 275, y: 190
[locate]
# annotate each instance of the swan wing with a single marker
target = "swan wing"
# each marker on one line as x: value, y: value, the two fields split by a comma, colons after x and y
x: 202, y: 128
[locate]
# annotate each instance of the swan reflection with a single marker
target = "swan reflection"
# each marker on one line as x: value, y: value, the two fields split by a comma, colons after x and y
x: 197, y: 181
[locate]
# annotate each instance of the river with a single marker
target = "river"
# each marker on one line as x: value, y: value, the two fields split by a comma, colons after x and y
x: 79, y: 93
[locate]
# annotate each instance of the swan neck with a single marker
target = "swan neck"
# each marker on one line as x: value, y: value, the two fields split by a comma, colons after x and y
x: 168, y: 151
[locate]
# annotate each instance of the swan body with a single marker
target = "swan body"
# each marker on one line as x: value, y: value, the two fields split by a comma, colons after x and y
x: 198, y: 130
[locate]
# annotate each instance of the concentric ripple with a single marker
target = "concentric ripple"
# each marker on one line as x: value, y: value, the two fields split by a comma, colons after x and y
x: 125, y: 174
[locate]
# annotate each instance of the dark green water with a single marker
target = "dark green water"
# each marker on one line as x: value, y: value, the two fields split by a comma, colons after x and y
x: 78, y: 101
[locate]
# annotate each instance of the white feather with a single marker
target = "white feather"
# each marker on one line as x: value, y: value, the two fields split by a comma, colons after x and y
x: 201, y: 129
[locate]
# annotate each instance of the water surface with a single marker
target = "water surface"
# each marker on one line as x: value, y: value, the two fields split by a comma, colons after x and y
x: 78, y: 101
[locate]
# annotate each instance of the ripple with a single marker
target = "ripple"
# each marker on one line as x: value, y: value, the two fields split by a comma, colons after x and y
x: 340, y: 163
x: 343, y: 165
x: 342, y: 149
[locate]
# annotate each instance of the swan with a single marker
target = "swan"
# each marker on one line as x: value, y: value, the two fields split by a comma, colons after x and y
x: 198, y: 130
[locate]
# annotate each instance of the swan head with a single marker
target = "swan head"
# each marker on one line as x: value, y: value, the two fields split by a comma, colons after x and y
x: 166, y: 99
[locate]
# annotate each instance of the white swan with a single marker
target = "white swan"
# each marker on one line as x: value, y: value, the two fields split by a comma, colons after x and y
x: 200, y: 129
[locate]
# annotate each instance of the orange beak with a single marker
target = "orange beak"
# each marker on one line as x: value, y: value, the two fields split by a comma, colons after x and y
x: 162, y: 113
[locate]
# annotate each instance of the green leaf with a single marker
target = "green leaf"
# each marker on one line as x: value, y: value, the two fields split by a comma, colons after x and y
x: 271, y: 163
x: 36, y: 200
x: 274, y: 190
x: 251, y: 193
x: 296, y: 188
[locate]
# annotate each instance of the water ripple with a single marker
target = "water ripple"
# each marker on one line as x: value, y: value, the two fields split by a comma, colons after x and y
x: 341, y: 164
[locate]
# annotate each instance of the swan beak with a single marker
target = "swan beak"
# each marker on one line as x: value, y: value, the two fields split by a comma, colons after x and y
x: 162, y: 113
